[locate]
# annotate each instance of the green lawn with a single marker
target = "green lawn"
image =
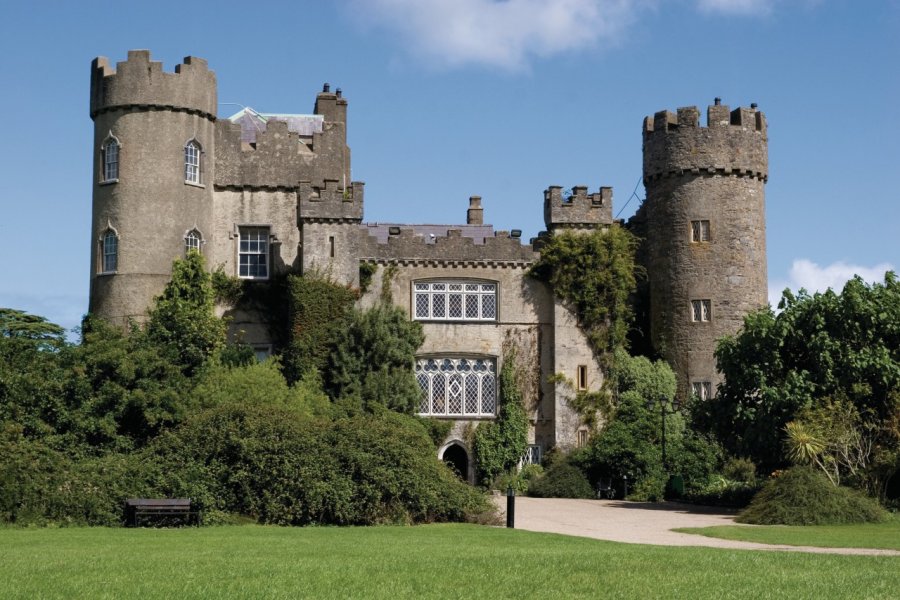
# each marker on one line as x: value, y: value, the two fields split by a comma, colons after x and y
x: 437, y: 561
x: 870, y: 535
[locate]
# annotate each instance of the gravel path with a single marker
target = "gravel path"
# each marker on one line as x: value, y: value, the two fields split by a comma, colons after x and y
x: 642, y: 523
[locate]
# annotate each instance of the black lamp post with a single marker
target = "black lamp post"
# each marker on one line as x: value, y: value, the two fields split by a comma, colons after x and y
x: 510, y: 507
x: 663, y: 412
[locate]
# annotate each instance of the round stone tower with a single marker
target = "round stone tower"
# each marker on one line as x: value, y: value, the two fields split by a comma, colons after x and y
x: 704, y: 220
x: 154, y: 149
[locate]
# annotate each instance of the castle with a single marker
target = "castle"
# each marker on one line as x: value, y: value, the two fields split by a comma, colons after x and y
x: 265, y: 194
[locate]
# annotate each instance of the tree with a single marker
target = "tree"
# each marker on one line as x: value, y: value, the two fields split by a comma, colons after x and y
x: 20, y: 325
x: 819, y: 348
x: 371, y: 360
x: 183, y: 319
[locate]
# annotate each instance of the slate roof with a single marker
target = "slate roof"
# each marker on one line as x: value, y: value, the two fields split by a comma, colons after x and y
x: 253, y: 122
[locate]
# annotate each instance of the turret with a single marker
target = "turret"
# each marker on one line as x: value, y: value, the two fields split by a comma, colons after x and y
x: 704, y: 221
x: 579, y: 210
x: 153, y: 148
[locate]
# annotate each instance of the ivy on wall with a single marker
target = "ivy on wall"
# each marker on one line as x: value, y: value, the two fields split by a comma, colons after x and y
x: 594, y: 274
x: 498, y: 445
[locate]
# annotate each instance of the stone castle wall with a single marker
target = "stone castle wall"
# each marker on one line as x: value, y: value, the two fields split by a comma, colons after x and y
x: 717, y: 174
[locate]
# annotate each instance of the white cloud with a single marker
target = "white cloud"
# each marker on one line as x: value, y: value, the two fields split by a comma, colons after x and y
x: 736, y: 7
x: 504, y: 34
x: 814, y: 278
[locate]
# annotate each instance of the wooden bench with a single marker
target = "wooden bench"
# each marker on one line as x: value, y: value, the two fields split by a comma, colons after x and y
x: 135, y: 508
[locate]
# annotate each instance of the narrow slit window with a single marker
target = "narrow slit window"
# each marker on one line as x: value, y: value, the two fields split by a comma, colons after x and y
x: 331, y: 246
x: 582, y: 377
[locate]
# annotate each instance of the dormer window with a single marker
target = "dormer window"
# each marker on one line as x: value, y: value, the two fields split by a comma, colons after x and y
x: 192, y: 153
x: 109, y: 154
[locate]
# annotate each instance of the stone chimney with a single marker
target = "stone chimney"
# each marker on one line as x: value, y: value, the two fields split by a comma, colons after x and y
x: 475, y: 214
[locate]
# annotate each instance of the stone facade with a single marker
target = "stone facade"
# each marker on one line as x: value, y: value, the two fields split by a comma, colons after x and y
x: 704, y: 228
x: 267, y: 194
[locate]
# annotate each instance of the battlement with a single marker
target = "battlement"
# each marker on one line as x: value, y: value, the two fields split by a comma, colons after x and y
x: 330, y: 201
x: 717, y: 115
x: 733, y: 143
x: 139, y: 83
x: 406, y: 246
x: 579, y: 210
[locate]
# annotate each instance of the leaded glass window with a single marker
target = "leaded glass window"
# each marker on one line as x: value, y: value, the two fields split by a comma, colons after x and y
x: 701, y: 310
x: 457, y: 387
x: 455, y: 301
x: 700, y: 231
x: 702, y: 389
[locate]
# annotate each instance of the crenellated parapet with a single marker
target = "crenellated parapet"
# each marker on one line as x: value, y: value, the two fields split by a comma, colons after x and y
x: 579, y: 210
x: 139, y: 83
x: 277, y: 159
x: 330, y: 202
x: 733, y: 143
x: 405, y: 246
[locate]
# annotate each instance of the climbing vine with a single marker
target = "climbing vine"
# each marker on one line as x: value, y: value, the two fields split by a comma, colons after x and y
x: 594, y: 274
x: 499, y: 445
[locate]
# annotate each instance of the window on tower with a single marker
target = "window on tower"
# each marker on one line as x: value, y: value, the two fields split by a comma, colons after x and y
x: 701, y: 310
x: 699, y: 231
x: 702, y: 389
x: 109, y: 251
x: 192, y: 152
x: 110, y: 156
x: 253, y: 253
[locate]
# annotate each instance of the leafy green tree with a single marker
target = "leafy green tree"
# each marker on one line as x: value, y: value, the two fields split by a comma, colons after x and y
x: 631, y: 442
x: 499, y: 445
x: 594, y: 273
x: 31, y: 329
x: 183, y: 319
x: 372, y: 358
x: 122, y: 390
x: 32, y: 373
x: 819, y: 347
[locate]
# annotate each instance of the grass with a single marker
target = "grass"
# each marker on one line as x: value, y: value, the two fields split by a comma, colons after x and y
x: 870, y: 535
x: 435, y: 561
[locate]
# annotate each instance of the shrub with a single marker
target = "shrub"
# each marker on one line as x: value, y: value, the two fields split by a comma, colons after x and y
x: 722, y: 491
x: 740, y: 470
x: 801, y: 496
x: 520, y: 480
x: 277, y: 466
x: 562, y: 480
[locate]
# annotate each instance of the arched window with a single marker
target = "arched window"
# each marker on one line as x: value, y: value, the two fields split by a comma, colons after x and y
x: 192, y: 241
x: 192, y: 162
x: 110, y: 154
x: 109, y: 252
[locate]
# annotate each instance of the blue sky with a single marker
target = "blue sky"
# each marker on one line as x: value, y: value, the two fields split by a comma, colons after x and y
x: 452, y: 98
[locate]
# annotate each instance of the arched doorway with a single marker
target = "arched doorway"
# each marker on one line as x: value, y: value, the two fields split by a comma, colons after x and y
x: 457, y: 459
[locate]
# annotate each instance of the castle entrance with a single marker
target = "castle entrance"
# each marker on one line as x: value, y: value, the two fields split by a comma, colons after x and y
x: 456, y: 458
